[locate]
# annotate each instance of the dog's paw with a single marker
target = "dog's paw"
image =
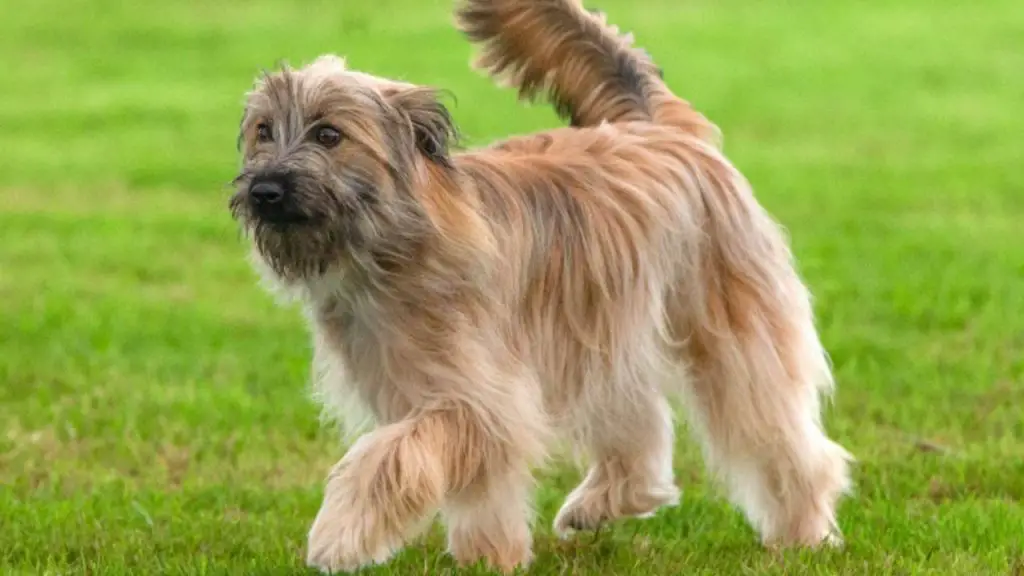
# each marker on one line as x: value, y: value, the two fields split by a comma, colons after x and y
x: 504, y: 548
x: 826, y: 538
x: 337, y: 548
x: 571, y: 520
x: 834, y: 540
x: 344, y: 539
x: 587, y: 511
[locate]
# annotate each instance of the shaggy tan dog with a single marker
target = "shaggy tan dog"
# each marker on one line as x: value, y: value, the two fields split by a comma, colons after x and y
x: 480, y: 306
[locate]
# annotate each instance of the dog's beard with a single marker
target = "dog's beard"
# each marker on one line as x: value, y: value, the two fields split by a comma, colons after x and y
x: 299, y: 250
x: 296, y: 251
x: 336, y: 229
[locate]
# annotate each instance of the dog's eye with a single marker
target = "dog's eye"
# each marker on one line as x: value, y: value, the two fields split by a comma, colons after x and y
x: 263, y: 133
x: 328, y: 136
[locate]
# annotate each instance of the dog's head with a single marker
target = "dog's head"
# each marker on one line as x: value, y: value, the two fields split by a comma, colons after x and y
x: 331, y: 160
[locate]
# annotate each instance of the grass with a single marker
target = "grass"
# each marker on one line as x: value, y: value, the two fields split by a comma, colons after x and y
x: 153, y: 408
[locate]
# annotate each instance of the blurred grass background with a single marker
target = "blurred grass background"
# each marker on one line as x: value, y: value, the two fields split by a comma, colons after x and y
x: 153, y: 407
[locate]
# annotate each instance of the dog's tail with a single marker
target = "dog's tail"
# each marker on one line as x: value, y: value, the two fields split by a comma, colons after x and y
x: 588, y: 70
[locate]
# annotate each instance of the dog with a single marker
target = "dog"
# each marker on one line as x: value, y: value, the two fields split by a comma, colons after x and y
x: 483, y: 308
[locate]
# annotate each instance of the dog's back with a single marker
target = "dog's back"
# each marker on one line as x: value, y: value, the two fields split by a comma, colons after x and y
x: 630, y: 215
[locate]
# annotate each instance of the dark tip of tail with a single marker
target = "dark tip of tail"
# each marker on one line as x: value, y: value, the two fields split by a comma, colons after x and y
x: 659, y: 70
x: 631, y: 77
x: 629, y: 73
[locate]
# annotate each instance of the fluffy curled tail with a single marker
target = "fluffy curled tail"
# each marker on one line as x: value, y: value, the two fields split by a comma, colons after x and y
x: 589, y: 71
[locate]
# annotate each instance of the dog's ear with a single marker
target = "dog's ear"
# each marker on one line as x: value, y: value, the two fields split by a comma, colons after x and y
x: 434, y: 131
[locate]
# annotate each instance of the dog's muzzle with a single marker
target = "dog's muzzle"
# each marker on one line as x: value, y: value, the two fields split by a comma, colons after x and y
x: 272, y: 199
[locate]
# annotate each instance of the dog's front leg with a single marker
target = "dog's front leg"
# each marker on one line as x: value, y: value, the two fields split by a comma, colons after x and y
x: 385, y: 490
x: 380, y: 495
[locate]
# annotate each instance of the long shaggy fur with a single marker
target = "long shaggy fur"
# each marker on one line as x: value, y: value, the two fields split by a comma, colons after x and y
x: 480, y: 306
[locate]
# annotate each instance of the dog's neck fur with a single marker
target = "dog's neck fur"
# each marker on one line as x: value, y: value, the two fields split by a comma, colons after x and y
x: 354, y: 306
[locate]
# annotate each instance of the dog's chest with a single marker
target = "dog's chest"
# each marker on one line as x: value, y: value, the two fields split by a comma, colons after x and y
x: 344, y: 330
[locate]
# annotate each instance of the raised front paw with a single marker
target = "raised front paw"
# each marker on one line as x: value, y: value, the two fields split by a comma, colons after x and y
x: 345, y: 537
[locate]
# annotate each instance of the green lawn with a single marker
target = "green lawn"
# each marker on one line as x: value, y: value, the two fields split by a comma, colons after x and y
x: 154, y: 415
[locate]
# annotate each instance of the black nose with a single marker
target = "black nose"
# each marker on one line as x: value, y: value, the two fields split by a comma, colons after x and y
x: 267, y: 192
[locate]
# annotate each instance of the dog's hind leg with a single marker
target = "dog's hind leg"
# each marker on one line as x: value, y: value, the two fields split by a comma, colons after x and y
x: 629, y: 437
x: 754, y: 400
